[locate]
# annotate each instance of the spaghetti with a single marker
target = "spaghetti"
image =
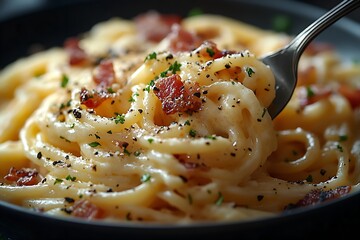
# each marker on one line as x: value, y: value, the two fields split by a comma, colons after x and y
x: 170, y: 124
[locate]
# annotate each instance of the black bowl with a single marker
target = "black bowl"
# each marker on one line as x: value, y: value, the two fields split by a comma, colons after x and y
x: 49, y: 25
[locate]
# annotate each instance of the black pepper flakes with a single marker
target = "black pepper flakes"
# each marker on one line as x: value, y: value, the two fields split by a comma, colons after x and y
x: 57, y: 162
x: 77, y: 113
x: 260, y: 197
x: 168, y: 57
x: 197, y: 94
x: 69, y: 200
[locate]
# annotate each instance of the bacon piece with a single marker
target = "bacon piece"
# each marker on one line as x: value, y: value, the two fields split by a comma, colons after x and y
x: 153, y: 26
x: 23, y: 177
x: 104, y: 77
x: 208, y: 49
x: 352, y: 95
x: 86, y: 209
x: 182, y: 40
x: 175, y: 96
x: 104, y: 74
x: 93, y: 99
x: 312, y: 93
x: 318, y: 196
x: 77, y: 56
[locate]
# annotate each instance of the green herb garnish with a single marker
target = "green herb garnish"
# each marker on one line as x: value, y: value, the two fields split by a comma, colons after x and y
x: 58, y: 180
x: 210, y: 52
x: 281, y: 23
x: 120, y: 118
x: 192, y: 133
x: 249, y: 71
x: 70, y: 178
x: 64, y: 80
x: 152, y: 55
x: 195, y: 12
x: 94, y: 144
x: 220, y: 199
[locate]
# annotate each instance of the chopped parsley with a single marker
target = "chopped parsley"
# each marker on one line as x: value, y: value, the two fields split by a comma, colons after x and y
x: 70, y: 178
x: 173, y: 69
x: 220, y: 199
x: 309, y: 92
x: 132, y: 99
x: 152, y: 55
x: 127, y: 152
x: 212, y: 137
x: 94, y: 144
x: 195, y: 12
x: 110, y: 90
x: 64, y: 80
x: 120, y: 118
x: 187, y: 122
x: 192, y: 133
x: 249, y: 71
x: 281, y: 23
x: 149, y: 86
x: 210, y: 52
x: 58, y: 180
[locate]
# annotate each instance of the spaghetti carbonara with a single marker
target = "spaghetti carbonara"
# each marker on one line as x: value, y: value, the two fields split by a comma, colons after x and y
x: 163, y: 119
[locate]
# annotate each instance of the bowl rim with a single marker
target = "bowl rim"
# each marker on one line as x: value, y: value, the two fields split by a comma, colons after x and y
x: 292, y: 7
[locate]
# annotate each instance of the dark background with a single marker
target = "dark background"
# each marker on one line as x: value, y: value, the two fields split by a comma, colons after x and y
x: 38, y: 36
x: 14, y: 7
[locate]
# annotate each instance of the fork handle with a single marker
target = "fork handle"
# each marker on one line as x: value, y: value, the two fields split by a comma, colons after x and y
x: 298, y: 44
